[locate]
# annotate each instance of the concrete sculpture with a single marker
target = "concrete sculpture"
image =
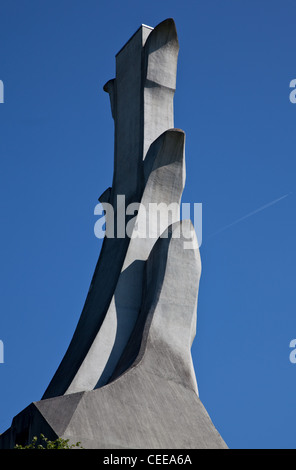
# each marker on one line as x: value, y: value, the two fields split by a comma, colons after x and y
x: 127, y: 379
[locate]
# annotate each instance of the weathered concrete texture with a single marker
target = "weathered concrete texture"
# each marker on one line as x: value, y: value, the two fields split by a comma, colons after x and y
x: 154, y: 402
x: 141, y: 98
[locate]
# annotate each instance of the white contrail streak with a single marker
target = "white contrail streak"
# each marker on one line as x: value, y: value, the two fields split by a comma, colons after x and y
x: 250, y: 214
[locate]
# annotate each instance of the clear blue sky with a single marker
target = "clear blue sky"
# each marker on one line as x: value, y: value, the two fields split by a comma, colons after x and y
x: 235, y: 64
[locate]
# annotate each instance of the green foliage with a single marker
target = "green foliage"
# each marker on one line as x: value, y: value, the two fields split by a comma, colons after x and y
x: 44, y: 443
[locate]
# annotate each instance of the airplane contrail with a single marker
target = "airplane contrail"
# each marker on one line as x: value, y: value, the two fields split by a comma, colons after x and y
x: 250, y: 214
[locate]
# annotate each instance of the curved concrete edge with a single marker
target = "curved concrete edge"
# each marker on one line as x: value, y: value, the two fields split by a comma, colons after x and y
x: 171, y: 306
x: 171, y: 137
x: 162, y: 338
x: 161, y: 54
x: 165, y: 184
x: 102, y: 286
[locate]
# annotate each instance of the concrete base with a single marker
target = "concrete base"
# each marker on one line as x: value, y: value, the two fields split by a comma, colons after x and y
x: 151, y: 401
x: 139, y: 412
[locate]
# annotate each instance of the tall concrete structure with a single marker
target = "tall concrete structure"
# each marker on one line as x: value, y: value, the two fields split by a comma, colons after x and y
x: 127, y: 379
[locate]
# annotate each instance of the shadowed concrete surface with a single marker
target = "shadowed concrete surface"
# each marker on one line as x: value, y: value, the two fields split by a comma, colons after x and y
x: 153, y: 403
x: 165, y: 183
x: 140, y: 118
x: 127, y: 379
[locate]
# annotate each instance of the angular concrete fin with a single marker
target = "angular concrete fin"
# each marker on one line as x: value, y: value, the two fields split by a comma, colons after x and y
x: 162, y: 337
x: 161, y: 54
x: 171, y: 142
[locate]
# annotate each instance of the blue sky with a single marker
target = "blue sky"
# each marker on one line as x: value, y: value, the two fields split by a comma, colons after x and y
x: 56, y: 147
